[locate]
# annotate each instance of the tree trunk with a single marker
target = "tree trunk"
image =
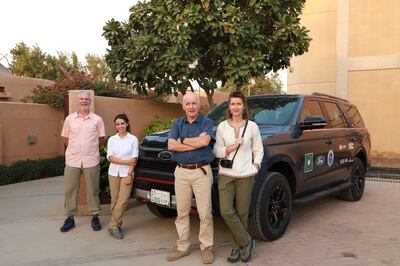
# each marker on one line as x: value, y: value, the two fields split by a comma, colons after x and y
x: 210, y: 94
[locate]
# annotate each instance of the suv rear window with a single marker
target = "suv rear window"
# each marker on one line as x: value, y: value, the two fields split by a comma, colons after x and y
x: 353, y: 116
x: 335, y: 117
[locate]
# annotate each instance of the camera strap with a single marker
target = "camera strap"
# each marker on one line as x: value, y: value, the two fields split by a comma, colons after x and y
x: 244, y: 130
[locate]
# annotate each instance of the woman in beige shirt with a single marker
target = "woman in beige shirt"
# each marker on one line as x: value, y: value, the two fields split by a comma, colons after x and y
x: 236, y: 183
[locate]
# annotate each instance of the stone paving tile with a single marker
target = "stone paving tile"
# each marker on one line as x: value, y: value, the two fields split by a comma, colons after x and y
x: 330, y: 231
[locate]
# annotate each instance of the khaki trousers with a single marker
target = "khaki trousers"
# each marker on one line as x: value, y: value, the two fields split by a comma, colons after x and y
x: 234, y: 201
x: 71, y: 182
x: 187, y: 182
x: 120, y: 194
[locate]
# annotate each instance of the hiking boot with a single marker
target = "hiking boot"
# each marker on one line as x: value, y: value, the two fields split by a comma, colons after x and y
x: 207, y: 256
x: 234, y: 257
x: 69, y: 223
x: 96, y: 226
x: 177, y: 254
x: 245, y: 252
x: 116, y: 233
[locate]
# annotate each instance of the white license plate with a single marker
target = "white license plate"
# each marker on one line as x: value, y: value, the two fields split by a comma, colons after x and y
x: 160, y: 197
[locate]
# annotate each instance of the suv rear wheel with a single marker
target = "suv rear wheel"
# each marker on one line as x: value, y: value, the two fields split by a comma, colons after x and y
x: 356, y: 190
x: 161, y: 211
x: 273, y: 208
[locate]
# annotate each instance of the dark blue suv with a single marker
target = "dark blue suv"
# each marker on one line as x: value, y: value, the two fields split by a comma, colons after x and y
x: 314, y: 145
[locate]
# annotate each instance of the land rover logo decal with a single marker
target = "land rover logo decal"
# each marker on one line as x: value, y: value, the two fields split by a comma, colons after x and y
x: 165, y: 155
x: 320, y: 160
x: 331, y: 157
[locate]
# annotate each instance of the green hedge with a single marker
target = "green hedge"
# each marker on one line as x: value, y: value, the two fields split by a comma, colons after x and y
x: 157, y: 125
x: 31, y: 169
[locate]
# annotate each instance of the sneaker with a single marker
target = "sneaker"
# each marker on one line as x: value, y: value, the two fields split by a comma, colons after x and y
x: 234, y: 257
x: 116, y: 233
x: 177, y: 254
x: 96, y: 226
x: 245, y: 252
x: 69, y: 223
x: 207, y: 256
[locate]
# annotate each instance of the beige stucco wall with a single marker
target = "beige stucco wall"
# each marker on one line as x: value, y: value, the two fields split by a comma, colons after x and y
x: 20, y: 119
x: 316, y: 70
x: 374, y: 27
x: 18, y: 87
x: 360, y: 61
x: 140, y: 113
x: 376, y: 94
x: 17, y: 120
x: 374, y: 71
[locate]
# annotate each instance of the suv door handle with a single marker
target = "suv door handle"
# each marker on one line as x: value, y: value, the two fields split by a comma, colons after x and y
x: 328, y: 142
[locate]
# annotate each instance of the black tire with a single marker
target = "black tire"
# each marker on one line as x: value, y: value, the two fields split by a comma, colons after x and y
x: 273, y: 208
x: 356, y: 189
x: 161, y: 212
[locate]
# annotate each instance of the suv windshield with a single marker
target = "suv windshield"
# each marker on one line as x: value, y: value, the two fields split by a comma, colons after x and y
x: 274, y: 111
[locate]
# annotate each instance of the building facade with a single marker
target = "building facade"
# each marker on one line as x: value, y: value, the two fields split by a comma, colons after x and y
x: 355, y: 54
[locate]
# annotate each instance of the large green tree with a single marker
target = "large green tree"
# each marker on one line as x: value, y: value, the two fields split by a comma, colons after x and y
x: 165, y: 44
x: 97, y: 67
x: 35, y: 63
x: 270, y: 84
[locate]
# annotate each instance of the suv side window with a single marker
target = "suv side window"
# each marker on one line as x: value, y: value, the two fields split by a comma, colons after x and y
x: 335, y: 116
x: 311, y: 108
x: 354, y: 116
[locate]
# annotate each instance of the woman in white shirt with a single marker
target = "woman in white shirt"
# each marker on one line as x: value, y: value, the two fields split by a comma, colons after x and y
x: 122, y: 152
x: 236, y: 183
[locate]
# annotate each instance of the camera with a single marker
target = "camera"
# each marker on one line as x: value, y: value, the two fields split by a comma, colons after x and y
x: 226, y: 163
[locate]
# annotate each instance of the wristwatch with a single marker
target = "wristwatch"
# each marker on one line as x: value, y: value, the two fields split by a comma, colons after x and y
x: 182, y: 139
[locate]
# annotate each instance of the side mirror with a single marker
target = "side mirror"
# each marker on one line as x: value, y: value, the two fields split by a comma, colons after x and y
x: 312, y: 122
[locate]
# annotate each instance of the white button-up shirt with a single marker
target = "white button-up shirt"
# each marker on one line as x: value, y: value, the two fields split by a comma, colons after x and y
x: 125, y: 148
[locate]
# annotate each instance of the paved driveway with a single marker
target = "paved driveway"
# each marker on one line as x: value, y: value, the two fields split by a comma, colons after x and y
x: 334, y: 232
x: 324, y: 232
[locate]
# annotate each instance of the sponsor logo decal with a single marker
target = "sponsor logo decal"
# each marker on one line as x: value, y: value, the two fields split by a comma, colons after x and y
x: 351, y: 145
x: 342, y: 147
x: 330, y: 158
x: 308, y: 162
x: 165, y: 155
x: 320, y: 160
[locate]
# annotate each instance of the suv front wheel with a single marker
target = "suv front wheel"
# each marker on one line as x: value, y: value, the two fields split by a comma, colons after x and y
x: 273, y: 209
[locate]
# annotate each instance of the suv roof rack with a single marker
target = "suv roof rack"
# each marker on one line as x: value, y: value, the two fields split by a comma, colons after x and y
x: 329, y: 96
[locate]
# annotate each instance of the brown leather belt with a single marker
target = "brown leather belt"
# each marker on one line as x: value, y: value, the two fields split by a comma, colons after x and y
x: 192, y: 166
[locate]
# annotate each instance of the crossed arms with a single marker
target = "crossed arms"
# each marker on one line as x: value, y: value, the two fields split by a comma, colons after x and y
x: 189, y: 144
